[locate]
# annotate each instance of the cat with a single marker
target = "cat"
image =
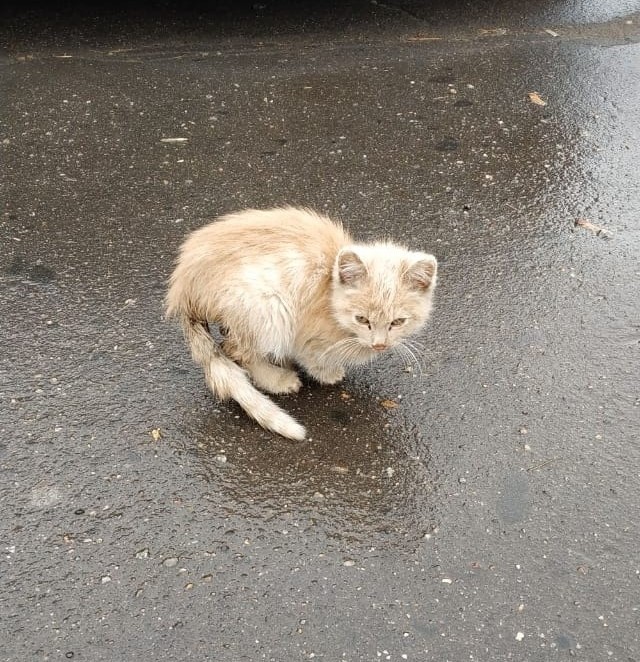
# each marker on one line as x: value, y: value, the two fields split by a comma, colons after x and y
x: 288, y: 287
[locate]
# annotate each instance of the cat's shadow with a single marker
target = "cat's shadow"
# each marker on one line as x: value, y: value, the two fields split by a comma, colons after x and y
x: 358, y: 475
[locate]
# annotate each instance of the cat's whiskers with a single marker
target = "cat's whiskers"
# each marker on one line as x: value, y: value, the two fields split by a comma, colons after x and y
x: 420, y: 357
x: 417, y: 351
x: 415, y: 356
x: 337, y: 346
x: 407, y: 352
x: 401, y: 352
x: 408, y: 360
x: 413, y: 342
x: 349, y: 350
x: 342, y: 350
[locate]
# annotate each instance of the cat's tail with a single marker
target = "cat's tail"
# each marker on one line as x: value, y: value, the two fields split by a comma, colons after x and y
x: 227, y: 379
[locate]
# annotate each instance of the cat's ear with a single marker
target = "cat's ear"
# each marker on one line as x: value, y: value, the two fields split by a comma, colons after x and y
x: 421, y: 273
x: 350, y: 267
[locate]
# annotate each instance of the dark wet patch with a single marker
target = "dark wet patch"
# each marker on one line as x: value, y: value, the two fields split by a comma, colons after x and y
x: 447, y: 144
x: 37, y: 273
x: 565, y: 642
x: 340, y: 416
x: 42, y: 274
x: 99, y: 355
x: 16, y: 267
x: 442, y: 78
x: 463, y: 103
x: 514, y: 502
x: 345, y: 476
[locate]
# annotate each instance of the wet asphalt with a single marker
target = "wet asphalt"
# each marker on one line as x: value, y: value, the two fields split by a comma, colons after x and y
x: 481, y: 504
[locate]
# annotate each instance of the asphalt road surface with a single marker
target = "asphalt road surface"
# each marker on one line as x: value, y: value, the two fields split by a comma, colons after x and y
x: 481, y: 504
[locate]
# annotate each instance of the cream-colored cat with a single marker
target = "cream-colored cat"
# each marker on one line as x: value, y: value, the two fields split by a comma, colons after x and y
x: 289, y: 287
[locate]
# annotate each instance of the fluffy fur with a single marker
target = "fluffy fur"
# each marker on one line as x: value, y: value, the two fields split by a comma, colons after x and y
x: 290, y: 287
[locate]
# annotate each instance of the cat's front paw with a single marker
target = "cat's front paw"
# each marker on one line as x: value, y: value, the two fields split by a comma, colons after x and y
x: 327, y: 375
x: 274, y: 379
x: 287, y: 382
x: 281, y: 381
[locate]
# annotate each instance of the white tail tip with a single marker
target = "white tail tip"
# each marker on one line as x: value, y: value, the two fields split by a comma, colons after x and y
x: 285, y: 425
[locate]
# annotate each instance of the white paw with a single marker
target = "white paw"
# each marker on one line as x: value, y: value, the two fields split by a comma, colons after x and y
x: 329, y: 376
x: 276, y: 380
x: 279, y: 381
x: 287, y: 382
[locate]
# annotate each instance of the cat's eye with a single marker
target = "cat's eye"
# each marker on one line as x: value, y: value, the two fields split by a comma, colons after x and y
x: 399, y: 321
x: 362, y: 320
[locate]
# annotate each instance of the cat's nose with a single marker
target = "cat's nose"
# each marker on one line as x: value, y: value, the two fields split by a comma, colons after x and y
x: 379, y: 347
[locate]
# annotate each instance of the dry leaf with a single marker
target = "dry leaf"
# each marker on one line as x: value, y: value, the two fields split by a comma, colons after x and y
x: 389, y: 404
x: 592, y: 227
x: 534, y: 97
x: 156, y: 434
x: 345, y: 396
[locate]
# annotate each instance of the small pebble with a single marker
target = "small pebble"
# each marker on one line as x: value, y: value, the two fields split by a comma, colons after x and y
x: 520, y: 636
x: 170, y: 562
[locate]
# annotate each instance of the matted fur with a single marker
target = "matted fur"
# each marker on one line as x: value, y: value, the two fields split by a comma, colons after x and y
x: 290, y: 287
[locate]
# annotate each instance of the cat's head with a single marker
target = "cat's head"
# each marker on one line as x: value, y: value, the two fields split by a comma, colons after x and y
x: 382, y: 293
